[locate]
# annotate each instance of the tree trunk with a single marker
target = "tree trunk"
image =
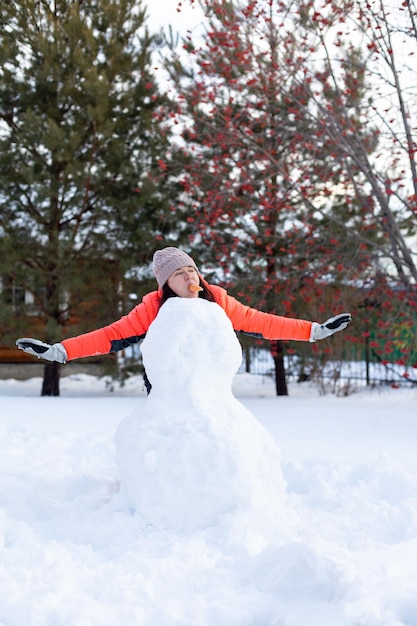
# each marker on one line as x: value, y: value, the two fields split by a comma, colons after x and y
x: 277, y: 351
x: 50, y: 384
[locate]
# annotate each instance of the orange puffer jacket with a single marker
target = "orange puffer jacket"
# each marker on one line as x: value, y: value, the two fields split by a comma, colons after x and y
x: 132, y: 327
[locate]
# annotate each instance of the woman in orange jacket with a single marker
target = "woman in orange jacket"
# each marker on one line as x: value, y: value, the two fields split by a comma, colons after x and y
x: 177, y: 276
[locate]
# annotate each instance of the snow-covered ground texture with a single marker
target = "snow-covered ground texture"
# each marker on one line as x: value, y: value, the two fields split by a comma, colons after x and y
x: 199, y: 507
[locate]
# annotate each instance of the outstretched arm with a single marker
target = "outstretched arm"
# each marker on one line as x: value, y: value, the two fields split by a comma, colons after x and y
x: 127, y: 330
x: 269, y: 326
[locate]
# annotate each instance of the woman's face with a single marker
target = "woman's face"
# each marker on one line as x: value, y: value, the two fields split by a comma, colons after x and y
x: 181, y: 279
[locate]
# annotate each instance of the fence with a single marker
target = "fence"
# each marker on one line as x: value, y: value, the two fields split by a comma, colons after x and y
x: 357, y: 366
x: 370, y: 370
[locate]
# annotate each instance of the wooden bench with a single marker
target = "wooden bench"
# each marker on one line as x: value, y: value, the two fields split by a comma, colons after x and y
x: 14, y: 355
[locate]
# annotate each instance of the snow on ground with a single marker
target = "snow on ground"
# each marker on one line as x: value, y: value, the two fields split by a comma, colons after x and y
x: 73, y: 553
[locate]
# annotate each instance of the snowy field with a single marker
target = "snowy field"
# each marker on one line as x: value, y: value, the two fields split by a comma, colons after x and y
x: 73, y: 555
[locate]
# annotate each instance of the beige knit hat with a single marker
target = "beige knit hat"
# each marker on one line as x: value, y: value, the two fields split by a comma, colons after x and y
x: 168, y: 260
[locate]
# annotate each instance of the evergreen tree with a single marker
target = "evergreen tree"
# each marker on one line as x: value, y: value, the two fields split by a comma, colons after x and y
x: 80, y: 141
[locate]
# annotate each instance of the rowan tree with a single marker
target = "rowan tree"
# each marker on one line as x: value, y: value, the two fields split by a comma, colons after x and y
x: 269, y: 201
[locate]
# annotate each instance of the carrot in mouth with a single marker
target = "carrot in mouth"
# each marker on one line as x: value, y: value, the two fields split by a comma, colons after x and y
x: 194, y: 288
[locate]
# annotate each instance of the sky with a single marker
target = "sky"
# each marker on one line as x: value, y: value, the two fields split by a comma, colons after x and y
x: 212, y: 502
x: 165, y: 12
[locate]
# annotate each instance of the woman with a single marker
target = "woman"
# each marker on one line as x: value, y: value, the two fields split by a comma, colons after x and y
x: 177, y: 276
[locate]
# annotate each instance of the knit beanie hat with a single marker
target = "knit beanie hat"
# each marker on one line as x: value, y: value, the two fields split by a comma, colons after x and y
x: 168, y: 260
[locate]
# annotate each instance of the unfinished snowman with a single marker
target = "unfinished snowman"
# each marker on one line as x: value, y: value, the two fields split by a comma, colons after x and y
x: 195, y: 459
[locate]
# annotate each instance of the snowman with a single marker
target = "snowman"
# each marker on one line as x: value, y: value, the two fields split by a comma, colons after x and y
x: 194, y: 459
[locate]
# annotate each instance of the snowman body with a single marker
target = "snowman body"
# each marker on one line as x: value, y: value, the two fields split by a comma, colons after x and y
x: 194, y: 457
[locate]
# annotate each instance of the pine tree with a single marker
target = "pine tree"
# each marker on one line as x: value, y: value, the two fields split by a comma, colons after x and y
x: 79, y: 150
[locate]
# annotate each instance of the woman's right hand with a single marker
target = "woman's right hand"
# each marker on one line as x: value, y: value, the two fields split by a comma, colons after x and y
x: 41, y: 350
